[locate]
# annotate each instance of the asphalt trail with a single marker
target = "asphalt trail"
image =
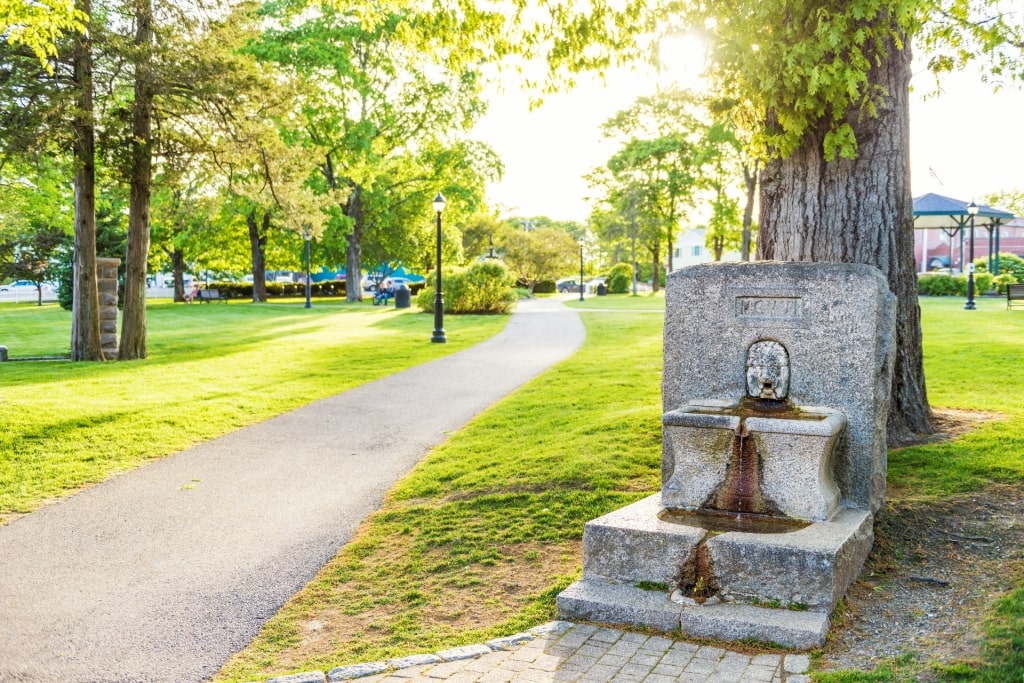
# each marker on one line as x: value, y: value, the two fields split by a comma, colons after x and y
x: 163, y: 573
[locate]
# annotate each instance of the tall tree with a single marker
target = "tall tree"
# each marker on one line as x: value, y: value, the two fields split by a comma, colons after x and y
x: 85, y: 312
x: 380, y: 87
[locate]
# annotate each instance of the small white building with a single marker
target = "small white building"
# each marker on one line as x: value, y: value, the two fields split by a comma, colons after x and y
x: 688, y: 249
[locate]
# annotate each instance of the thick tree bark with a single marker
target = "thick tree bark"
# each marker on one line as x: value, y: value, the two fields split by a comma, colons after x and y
x: 178, y: 274
x: 133, y: 317
x: 858, y: 211
x: 258, y: 246
x: 85, y: 307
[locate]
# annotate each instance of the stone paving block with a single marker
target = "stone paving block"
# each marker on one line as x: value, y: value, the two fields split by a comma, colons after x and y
x: 796, y: 664
x: 464, y: 652
x: 567, y: 675
x: 445, y: 669
x: 659, y: 678
x: 560, y: 651
x: 526, y: 654
x: 487, y: 662
x: 657, y: 643
x: 708, y: 652
x: 759, y: 674
x: 602, y: 671
x: 617, y: 661
x: 645, y: 659
x: 625, y: 649
x: 464, y: 677
x: 509, y: 641
x: 413, y: 660
x: 677, y: 658
x: 664, y: 669
x: 609, y: 635
x: 497, y: 676
x: 798, y: 678
x: 766, y: 660
x: 638, y: 670
x: 700, y: 665
x: 345, y: 673
x: 304, y: 677
x: 547, y: 662
x: 595, y: 651
x: 559, y: 627
x: 580, y: 662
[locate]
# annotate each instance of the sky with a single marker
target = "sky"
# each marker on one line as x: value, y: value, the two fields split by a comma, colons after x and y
x: 966, y: 142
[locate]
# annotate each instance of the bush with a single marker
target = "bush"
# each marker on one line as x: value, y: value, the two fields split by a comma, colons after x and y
x: 1011, y: 264
x: 937, y: 284
x: 620, y: 278
x: 484, y: 287
x: 982, y: 282
x: 1004, y: 279
x: 545, y: 287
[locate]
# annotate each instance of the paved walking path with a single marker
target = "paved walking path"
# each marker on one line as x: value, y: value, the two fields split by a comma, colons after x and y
x: 163, y: 573
x: 562, y: 652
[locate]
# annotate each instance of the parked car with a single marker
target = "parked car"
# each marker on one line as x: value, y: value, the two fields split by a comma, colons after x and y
x: 564, y: 286
x: 25, y: 286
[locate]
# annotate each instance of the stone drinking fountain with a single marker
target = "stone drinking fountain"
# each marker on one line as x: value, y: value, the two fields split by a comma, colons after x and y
x: 775, y: 393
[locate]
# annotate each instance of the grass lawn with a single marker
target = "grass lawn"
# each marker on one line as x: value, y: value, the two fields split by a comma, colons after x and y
x: 480, y: 537
x: 211, y: 369
x: 478, y: 540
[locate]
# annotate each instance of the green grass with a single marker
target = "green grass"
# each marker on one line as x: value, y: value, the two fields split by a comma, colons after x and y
x: 480, y: 537
x: 211, y: 369
x: 644, y: 301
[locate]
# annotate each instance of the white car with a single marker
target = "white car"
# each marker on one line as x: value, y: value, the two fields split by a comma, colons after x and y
x: 25, y: 286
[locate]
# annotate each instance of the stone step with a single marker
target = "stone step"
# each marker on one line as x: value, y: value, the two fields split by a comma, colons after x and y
x: 625, y: 605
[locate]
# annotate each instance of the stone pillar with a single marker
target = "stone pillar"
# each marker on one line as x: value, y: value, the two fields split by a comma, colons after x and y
x: 106, y: 274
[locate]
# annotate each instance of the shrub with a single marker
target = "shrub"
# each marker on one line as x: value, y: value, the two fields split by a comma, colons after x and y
x: 484, y: 287
x: 1004, y: 279
x: 1011, y: 264
x: 982, y: 282
x: 620, y: 278
x: 545, y: 287
x: 937, y: 284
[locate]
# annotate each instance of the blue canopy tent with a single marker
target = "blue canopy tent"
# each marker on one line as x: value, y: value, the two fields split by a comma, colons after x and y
x: 936, y: 212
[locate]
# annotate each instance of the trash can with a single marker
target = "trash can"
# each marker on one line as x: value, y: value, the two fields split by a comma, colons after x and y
x: 403, y: 296
x: 602, y: 290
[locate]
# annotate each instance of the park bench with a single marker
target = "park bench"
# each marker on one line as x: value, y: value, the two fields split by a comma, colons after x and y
x: 209, y: 295
x: 1014, y: 295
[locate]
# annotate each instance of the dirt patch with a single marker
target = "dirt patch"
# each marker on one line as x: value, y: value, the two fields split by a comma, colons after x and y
x: 471, y: 597
x: 948, y: 424
x: 934, y: 571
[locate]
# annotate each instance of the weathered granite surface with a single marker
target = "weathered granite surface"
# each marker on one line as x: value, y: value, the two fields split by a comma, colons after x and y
x: 836, y: 323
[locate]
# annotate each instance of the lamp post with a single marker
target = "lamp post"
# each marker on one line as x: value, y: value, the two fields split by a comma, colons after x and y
x: 438, y: 336
x: 972, y: 210
x: 307, y: 234
x: 581, y: 269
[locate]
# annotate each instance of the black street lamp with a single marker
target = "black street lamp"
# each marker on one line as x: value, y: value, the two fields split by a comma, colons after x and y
x: 581, y: 269
x: 972, y: 210
x: 307, y: 234
x: 438, y: 336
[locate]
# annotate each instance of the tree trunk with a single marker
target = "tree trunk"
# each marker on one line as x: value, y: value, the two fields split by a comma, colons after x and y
x: 178, y: 274
x: 354, y: 249
x: 85, y: 307
x: 133, y: 317
x: 859, y: 211
x: 258, y: 246
x: 750, y: 179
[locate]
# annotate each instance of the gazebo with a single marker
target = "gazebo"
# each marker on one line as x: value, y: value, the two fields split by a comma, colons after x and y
x: 936, y: 212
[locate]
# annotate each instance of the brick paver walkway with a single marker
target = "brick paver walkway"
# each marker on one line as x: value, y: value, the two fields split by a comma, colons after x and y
x: 563, y: 652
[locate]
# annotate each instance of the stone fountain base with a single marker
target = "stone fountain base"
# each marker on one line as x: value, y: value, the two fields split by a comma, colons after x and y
x: 770, y: 587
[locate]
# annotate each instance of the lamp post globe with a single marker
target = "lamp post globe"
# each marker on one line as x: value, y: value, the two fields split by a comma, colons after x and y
x: 972, y: 211
x: 581, y: 268
x: 438, y: 337
x: 307, y: 234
